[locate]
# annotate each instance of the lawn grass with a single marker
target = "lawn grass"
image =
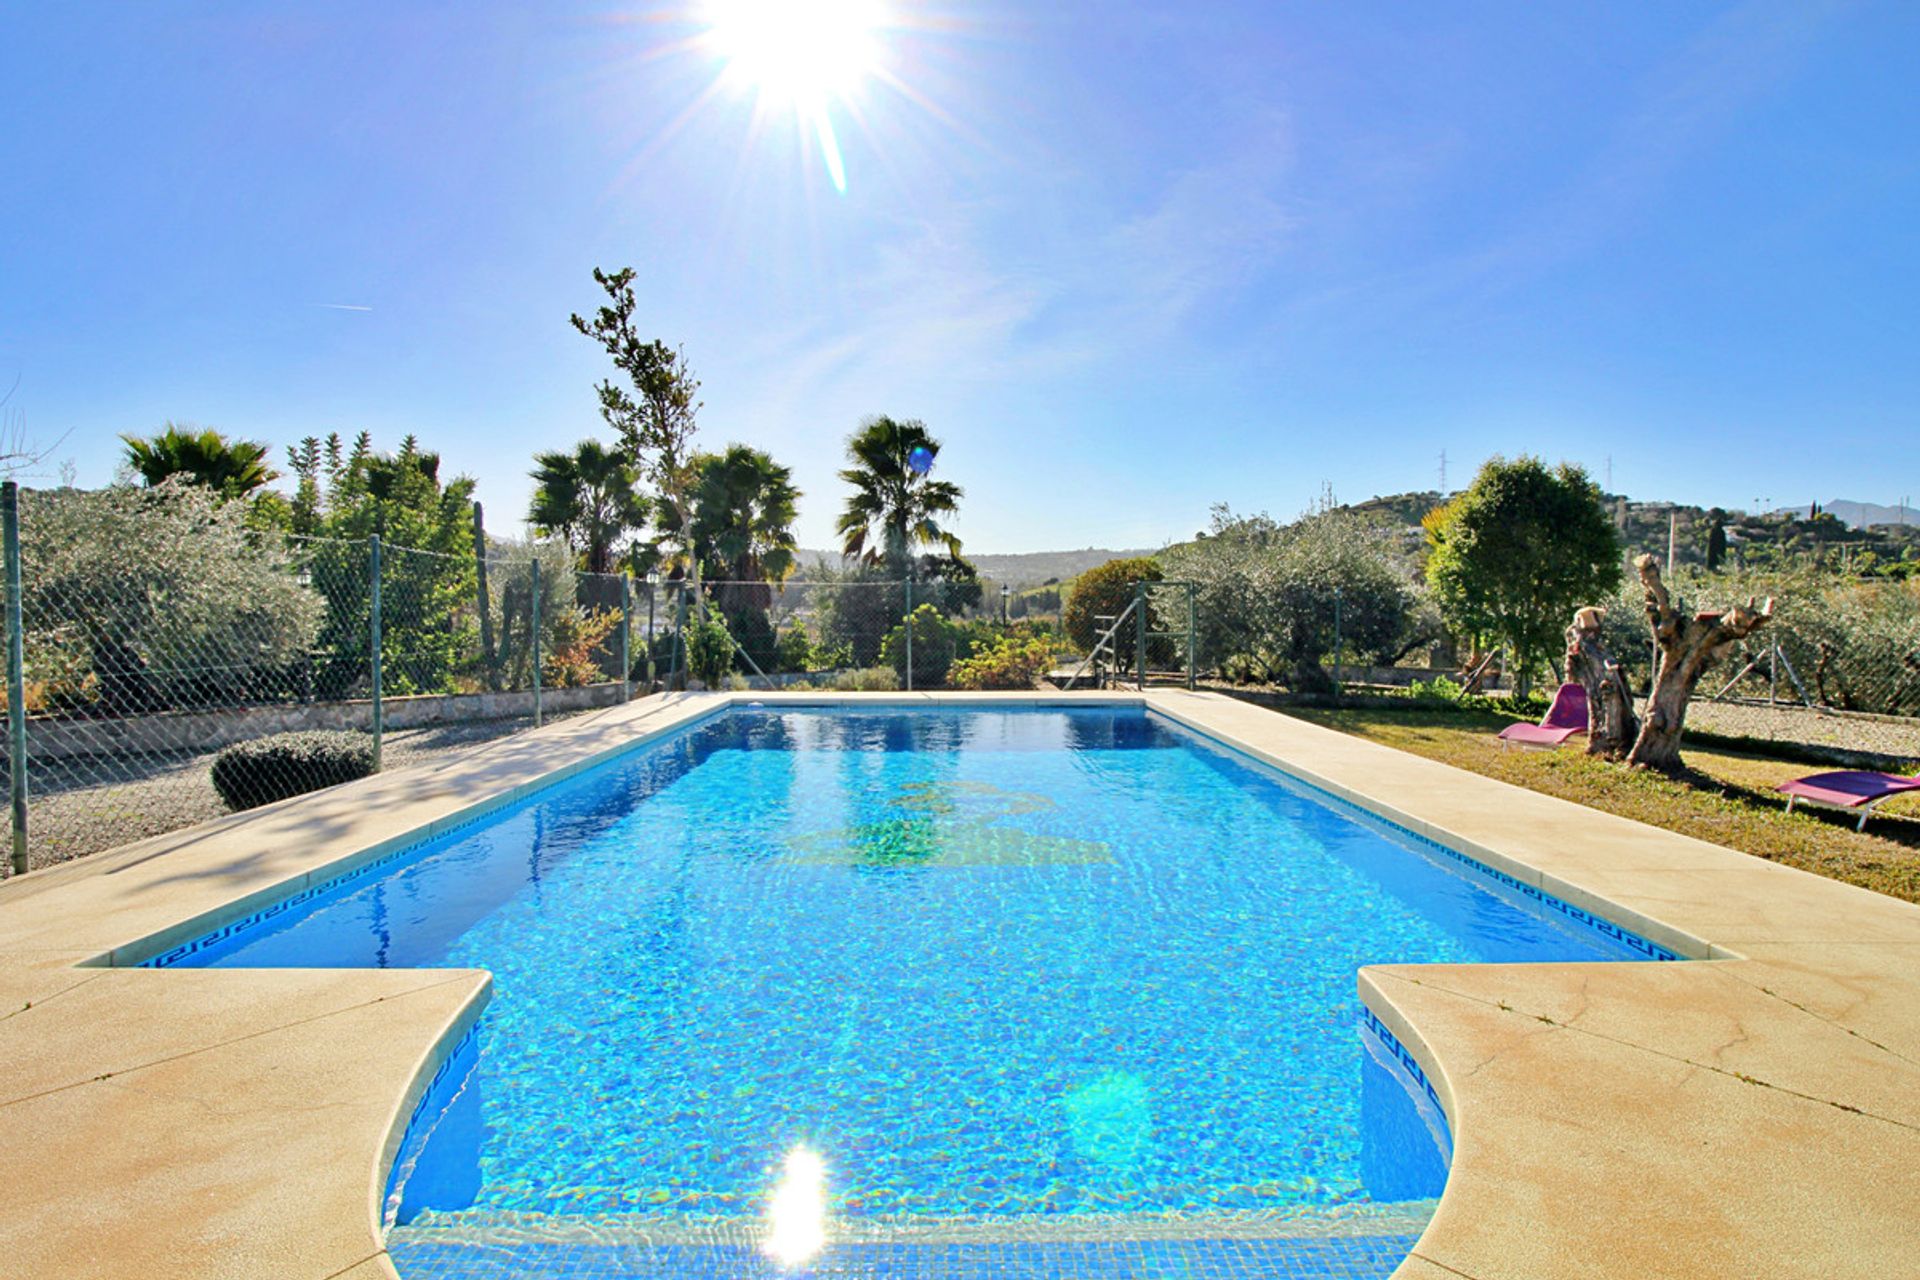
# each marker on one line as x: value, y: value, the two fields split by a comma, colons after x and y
x: 1727, y: 797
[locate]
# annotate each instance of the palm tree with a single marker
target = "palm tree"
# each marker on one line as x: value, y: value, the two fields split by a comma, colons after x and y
x: 743, y: 512
x: 591, y: 498
x: 232, y: 468
x: 891, y: 501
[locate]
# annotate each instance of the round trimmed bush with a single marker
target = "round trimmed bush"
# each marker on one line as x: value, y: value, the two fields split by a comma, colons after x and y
x: 250, y: 774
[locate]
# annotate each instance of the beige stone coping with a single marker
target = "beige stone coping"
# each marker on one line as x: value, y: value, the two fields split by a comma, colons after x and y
x: 1756, y: 1115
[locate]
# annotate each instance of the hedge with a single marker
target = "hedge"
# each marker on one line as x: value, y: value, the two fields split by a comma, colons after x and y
x: 250, y: 774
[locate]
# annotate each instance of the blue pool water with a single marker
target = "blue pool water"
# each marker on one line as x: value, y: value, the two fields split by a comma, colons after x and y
x: 1067, y: 966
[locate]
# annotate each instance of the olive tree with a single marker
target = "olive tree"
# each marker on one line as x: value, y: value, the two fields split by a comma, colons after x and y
x: 1272, y: 600
x: 143, y: 599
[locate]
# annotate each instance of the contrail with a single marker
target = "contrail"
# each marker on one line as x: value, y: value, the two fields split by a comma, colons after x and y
x: 342, y: 306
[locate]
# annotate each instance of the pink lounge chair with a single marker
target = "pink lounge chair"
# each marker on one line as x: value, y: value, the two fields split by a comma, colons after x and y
x: 1566, y: 717
x: 1848, y: 789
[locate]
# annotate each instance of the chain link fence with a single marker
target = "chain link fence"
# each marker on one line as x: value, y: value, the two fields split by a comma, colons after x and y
x: 149, y: 635
x: 168, y: 664
x: 1847, y: 693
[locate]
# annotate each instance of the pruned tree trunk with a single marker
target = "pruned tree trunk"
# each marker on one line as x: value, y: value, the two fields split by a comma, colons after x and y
x: 1688, y: 646
x: 1611, y: 724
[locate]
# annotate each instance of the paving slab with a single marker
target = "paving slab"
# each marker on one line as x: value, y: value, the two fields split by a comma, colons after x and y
x: 1753, y: 1114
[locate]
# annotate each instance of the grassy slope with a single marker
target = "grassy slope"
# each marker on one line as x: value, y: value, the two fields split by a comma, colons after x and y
x: 1728, y: 799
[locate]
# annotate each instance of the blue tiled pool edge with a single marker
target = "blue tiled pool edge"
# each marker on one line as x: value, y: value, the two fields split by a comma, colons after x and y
x: 1646, y: 947
x: 409, y: 843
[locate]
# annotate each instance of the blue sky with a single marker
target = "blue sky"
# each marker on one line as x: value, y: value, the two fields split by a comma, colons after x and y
x: 1126, y: 261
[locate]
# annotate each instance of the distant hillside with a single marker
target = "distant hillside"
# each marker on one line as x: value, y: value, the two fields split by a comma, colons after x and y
x: 1846, y: 527
x: 1027, y: 568
x: 1857, y: 515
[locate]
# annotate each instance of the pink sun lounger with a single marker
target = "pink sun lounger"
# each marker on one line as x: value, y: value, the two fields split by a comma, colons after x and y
x: 1848, y: 789
x: 1566, y: 716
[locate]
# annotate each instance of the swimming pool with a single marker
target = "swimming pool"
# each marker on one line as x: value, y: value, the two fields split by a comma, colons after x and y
x: 1046, y: 991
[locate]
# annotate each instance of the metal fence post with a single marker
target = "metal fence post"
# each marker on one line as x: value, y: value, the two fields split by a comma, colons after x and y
x: 679, y: 637
x: 1140, y: 636
x: 16, y: 676
x: 626, y: 633
x: 534, y: 565
x: 909, y: 626
x: 484, y: 599
x: 373, y: 642
x: 1190, y: 629
x: 1339, y: 649
x: 653, y: 587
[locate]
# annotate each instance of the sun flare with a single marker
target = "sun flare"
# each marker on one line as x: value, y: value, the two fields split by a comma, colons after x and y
x: 799, y: 54
x: 805, y: 52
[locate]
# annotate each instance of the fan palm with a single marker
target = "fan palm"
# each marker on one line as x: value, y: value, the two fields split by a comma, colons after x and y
x: 591, y: 498
x: 232, y: 468
x: 892, y: 504
x: 743, y: 511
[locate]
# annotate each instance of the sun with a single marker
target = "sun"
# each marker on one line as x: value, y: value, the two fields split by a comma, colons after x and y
x: 806, y: 52
x: 802, y: 55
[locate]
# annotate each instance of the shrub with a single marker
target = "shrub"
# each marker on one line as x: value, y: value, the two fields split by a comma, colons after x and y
x: 250, y: 774
x: 1439, y: 690
x: 832, y: 657
x: 866, y: 680
x: 793, y: 651
x: 1012, y: 664
x: 933, y: 648
x: 710, y: 650
x: 1107, y: 590
x: 575, y: 637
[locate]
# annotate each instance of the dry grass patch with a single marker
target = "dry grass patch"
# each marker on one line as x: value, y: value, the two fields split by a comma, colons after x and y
x: 1727, y: 798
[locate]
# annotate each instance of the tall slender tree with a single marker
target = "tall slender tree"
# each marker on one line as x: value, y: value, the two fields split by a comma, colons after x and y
x: 231, y: 468
x: 655, y: 412
x: 591, y: 498
x: 895, y: 508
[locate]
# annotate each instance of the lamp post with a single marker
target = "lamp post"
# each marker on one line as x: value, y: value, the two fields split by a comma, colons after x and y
x: 1005, y: 593
x: 653, y: 585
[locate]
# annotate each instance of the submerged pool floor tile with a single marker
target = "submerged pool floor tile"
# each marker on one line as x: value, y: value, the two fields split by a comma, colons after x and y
x: 1331, y: 1258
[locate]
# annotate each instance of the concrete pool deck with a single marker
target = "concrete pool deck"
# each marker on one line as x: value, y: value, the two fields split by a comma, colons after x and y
x: 1756, y: 1115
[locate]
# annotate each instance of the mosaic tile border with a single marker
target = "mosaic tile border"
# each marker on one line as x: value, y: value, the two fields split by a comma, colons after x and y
x: 412, y: 1140
x: 479, y: 813
x: 1370, y: 1021
x: 1347, y: 808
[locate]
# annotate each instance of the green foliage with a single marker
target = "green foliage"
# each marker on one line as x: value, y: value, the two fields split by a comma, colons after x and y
x: 709, y: 650
x: 1013, y: 663
x: 793, y: 651
x: 575, y: 646
x: 1267, y: 596
x: 855, y: 606
x: 1439, y: 691
x: 250, y: 774
x: 934, y: 645
x: 1517, y: 552
x: 1106, y: 591
x: 429, y: 614
x: 591, y: 498
x: 743, y: 510
x: 654, y: 412
x: 744, y: 504
x: 141, y: 599
x: 866, y: 680
x: 230, y: 468
x: 894, y: 510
